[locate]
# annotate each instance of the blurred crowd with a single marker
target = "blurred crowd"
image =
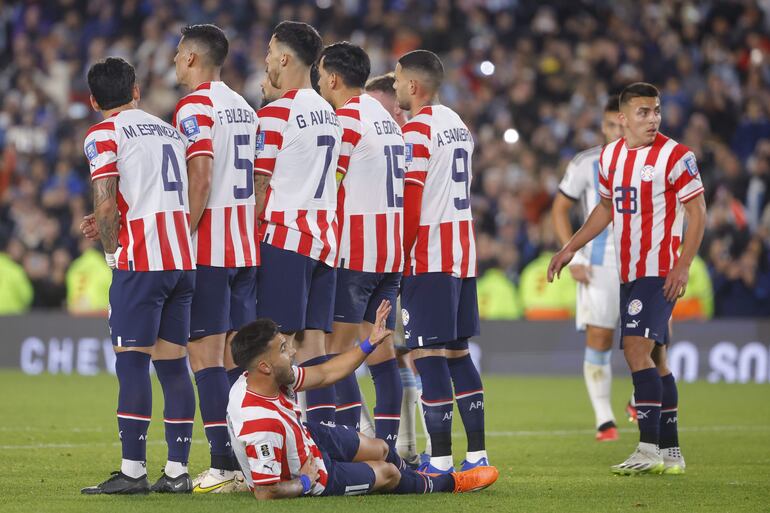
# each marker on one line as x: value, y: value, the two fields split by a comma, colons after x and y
x: 529, y: 78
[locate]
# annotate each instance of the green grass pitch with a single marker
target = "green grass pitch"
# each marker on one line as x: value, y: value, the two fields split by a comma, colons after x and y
x: 58, y: 434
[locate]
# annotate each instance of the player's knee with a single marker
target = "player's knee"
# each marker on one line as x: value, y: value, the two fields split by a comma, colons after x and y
x: 381, y: 448
x: 387, y: 476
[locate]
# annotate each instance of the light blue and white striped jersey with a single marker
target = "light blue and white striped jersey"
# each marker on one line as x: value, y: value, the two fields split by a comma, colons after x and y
x: 581, y: 183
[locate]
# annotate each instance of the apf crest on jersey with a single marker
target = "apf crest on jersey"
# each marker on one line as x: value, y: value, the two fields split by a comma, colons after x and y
x: 190, y: 126
x: 634, y: 307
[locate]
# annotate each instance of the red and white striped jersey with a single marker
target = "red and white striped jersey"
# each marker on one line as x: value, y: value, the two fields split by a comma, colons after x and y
x: 439, y: 148
x: 648, y: 187
x: 371, y: 196
x: 297, y: 146
x: 267, y: 437
x: 215, y: 121
x: 147, y: 156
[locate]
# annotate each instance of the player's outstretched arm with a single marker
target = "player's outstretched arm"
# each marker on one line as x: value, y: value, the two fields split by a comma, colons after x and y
x: 346, y: 363
x: 676, y: 280
x: 199, y: 171
x: 106, y: 212
x: 600, y: 217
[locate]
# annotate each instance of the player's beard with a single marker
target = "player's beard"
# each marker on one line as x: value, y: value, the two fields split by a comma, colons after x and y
x: 284, y: 375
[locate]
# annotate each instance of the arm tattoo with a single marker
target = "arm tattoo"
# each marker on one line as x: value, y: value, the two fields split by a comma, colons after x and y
x: 106, y: 212
x: 260, y: 186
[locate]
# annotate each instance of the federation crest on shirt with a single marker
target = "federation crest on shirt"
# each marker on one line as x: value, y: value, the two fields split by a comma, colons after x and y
x: 648, y: 173
x: 190, y: 126
x: 691, y: 165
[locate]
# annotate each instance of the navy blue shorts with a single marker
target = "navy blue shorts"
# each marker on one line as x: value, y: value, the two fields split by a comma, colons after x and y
x: 360, y: 293
x: 339, y: 446
x: 644, y: 311
x: 225, y: 299
x: 295, y: 291
x: 438, y: 308
x: 146, y: 306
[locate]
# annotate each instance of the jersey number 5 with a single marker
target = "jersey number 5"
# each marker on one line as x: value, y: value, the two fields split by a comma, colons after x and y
x: 243, y: 165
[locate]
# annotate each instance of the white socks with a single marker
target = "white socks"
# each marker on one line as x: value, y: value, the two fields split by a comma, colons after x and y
x: 367, y: 422
x: 441, y: 462
x: 406, y: 444
x: 473, y: 457
x: 133, y: 469
x: 174, y: 469
x: 597, y: 372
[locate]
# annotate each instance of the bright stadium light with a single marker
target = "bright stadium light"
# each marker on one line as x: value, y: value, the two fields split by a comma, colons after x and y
x: 487, y: 68
x: 511, y: 136
x: 323, y: 4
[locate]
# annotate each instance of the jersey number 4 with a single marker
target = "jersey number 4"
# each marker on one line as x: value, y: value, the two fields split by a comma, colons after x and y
x: 169, y: 160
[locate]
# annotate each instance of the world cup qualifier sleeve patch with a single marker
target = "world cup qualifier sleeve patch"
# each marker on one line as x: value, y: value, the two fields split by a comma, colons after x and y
x: 260, y: 141
x: 190, y: 126
x: 690, y: 164
x: 408, y: 149
x: 91, y: 151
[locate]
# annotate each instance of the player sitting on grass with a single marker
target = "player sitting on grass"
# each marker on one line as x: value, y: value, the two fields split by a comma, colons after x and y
x: 283, y: 458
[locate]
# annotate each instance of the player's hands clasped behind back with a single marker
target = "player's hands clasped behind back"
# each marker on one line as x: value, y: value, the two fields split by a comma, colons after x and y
x: 379, y: 331
x: 559, y: 260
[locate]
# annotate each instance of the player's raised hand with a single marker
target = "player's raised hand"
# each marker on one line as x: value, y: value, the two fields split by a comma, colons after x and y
x: 676, y: 282
x: 380, y: 331
x: 558, y: 262
x: 88, y: 227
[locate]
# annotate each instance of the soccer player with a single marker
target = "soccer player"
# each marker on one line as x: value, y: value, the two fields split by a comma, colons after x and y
x: 381, y: 89
x: 220, y: 130
x: 438, y: 293
x: 594, y: 269
x: 298, y: 145
x: 369, y: 213
x: 647, y: 181
x: 141, y: 207
x: 282, y: 457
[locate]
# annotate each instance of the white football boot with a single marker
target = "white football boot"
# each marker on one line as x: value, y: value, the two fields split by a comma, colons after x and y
x: 645, y: 459
x: 673, y: 461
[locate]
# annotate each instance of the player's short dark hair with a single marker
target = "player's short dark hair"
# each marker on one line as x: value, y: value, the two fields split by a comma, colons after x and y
x: 638, y: 90
x: 212, y: 38
x: 111, y: 82
x: 348, y: 61
x: 613, y: 103
x: 302, y: 38
x: 251, y: 341
x: 383, y: 83
x: 425, y: 62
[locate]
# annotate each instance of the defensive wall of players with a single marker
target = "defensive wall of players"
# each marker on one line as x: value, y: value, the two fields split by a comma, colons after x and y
x: 732, y: 351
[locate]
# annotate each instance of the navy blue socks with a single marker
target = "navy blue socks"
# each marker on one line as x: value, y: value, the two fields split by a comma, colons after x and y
x: 134, y: 403
x: 648, y: 394
x: 469, y: 393
x: 437, y: 401
x: 387, y: 411
x: 213, y: 393
x: 178, y: 407
x: 669, y: 421
x: 321, y: 402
